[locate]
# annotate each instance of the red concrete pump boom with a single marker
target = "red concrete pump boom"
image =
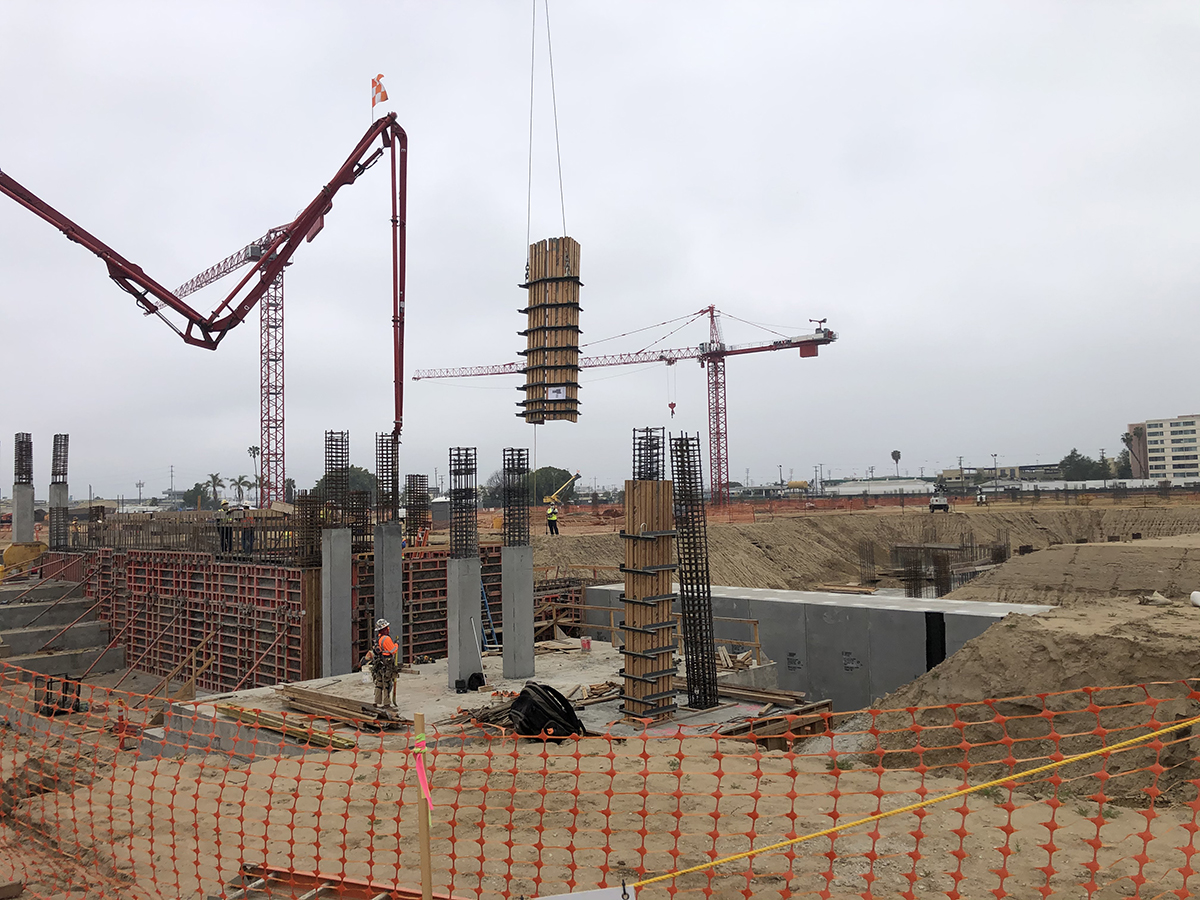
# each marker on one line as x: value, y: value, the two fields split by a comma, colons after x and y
x: 207, y: 331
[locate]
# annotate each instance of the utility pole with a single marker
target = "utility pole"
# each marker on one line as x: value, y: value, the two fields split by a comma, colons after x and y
x: 962, y: 476
x: 995, y: 474
x: 140, y: 485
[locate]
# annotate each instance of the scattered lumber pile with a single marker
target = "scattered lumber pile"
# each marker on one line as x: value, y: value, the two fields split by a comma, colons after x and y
x: 780, y: 731
x: 299, y: 733
x: 734, y: 662
x: 340, y: 709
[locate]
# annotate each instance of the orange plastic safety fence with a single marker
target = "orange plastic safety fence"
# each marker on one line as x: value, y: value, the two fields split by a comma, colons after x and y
x: 96, y: 801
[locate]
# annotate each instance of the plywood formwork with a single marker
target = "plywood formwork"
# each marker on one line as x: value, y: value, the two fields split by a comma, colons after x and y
x: 552, y: 332
x: 649, y: 628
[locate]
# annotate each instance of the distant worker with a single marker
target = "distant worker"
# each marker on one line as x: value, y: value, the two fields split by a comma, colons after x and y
x: 247, y: 530
x: 224, y: 527
x: 552, y: 518
x: 384, y: 659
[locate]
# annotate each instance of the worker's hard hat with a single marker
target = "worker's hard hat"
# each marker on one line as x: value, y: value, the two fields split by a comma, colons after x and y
x: 381, y: 624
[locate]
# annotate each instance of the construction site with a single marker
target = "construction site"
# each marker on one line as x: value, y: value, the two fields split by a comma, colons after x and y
x: 673, y: 692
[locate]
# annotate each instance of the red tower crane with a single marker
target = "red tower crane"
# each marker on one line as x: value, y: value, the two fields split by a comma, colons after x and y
x: 711, y: 356
x: 268, y: 257
x: 273, y: 473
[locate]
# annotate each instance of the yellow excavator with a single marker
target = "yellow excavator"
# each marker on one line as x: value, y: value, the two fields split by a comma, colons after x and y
x: 555, y: 497
x: 20, y: 557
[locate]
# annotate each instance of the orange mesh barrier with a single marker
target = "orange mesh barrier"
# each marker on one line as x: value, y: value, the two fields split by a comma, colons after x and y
x: 187, y: 811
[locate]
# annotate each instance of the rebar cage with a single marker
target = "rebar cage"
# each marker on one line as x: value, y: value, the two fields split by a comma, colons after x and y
x: 464, y: 526
x: 22, y: 458
x: 649, y: 448
x: 695, y: 584
x: 337, y: 469
x: 515, y: 497
x: 417, y: 516
x: 387, y: 478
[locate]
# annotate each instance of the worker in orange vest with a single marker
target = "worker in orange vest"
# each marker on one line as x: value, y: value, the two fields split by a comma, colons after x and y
x: 384, y: 659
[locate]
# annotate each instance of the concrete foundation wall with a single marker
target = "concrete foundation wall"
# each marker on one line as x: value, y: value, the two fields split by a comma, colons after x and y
x: 336, y: 610
x: 462, y: 619
x: 851, y: 649
x: 22, y: 513
x: 389, y: 577
x: 516, y: 605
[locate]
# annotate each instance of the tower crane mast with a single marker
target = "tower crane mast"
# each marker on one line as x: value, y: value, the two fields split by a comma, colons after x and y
x: 263, y: 283
x: 710, y: 355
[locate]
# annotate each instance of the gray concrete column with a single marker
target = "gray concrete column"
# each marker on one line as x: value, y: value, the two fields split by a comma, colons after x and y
x: 336, y: 611
x: 516, y: 606
x: 22, y: 507
x: 389, y: 577
x: 462, y: 609
x: 58, y: 496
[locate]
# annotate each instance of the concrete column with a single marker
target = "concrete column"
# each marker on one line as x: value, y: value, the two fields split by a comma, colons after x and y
x: 22, y: 507
x: 336, y: 650
x: 58, y: 530
x: 389, y: 577
x: 516, y: 605
x: 462, y: 609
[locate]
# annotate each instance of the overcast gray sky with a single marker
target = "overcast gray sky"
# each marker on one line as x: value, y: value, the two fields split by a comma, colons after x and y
x: 994, y: 204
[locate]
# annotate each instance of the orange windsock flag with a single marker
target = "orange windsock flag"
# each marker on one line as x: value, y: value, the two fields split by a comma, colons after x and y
x: 378, y: 94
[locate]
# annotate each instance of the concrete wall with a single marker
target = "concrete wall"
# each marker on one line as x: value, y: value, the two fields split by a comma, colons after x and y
x: 462, y: 619
x: 516, y: 605
x: 336, y: 610
x: 851, y: 649
x: 389, y: 577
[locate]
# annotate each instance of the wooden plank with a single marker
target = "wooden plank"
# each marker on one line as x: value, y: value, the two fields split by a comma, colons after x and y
x: 272, y: 722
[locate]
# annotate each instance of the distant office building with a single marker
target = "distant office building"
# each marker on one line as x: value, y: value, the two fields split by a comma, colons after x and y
x: 966, y: 475
x: 1165, y: 449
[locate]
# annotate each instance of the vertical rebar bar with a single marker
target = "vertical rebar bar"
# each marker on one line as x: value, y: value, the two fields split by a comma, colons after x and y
x: 23, y: 458
x: 308, y: 529
x: 464, y: 526
x: 695, y: 585
x: 515, y: 496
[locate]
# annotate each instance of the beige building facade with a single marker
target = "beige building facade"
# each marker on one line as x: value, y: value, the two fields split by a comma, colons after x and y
x: 1166, y: 449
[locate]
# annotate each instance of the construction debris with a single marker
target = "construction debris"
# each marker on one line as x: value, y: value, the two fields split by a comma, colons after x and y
x: 780, y: 731
x: 340, y: 709
x: 276, y: 723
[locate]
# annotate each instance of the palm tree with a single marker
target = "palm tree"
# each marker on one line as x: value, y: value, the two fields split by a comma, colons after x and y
x: 241, y: 484
x: 216, y: 482
x: 254, y: 452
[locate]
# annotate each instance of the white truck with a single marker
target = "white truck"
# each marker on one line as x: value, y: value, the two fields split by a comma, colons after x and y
x: 939, y: 500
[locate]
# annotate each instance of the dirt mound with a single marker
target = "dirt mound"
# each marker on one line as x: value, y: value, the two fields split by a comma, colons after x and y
x: 1088, y: 573
x: 802, y: 552
x: 1045, y: 668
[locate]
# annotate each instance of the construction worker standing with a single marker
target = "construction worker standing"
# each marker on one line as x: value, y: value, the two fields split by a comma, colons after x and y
x: 384, y: 659
x: 224, y: 527
x: 552, y: 518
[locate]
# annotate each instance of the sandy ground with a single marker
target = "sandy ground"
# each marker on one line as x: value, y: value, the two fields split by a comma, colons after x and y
x: 800, y: 552
x: 526, y: 819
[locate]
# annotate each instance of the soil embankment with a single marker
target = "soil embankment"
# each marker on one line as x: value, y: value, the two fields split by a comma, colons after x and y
x: 801, y: 552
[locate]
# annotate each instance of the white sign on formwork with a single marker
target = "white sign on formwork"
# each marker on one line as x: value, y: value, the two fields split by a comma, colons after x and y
x: 558, y: 393
x: 612, y: 893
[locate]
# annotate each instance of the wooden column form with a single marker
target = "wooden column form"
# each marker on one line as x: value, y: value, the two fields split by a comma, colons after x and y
x: 552, y: 332
x: 649, y: 627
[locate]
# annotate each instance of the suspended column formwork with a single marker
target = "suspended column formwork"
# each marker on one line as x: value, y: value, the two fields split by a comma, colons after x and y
x: 551, y: 332
x: 649, y: 628
x: 695, y: 585
x: 271, y: 421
